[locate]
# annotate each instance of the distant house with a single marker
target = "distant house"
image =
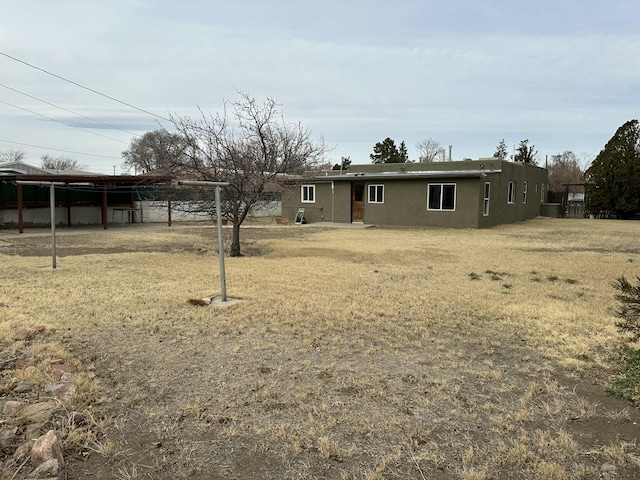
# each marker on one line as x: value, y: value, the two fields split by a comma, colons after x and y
x: 21, y: 168
x: 460, y: 194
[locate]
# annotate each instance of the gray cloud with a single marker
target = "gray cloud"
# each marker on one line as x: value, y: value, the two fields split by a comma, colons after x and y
x: 355, y: 72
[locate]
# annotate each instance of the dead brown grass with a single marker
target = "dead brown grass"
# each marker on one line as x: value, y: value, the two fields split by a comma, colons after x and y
x: 369, y: 353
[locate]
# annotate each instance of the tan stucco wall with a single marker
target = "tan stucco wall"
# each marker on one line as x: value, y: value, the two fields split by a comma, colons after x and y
x: 405, y: 203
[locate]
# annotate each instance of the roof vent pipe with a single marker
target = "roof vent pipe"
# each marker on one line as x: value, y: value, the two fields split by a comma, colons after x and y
x: 450, y: 147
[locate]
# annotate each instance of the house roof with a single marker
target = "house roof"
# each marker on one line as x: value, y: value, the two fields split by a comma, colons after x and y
x: 575, y: 197
x: 426, y: 174
x: 14, y: 171
x: 20, y: 168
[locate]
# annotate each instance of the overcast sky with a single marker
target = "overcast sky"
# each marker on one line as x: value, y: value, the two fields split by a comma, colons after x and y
x: 564, y: 75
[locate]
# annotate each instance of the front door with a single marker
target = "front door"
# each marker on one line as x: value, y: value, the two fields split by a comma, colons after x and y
x: 357, y: 201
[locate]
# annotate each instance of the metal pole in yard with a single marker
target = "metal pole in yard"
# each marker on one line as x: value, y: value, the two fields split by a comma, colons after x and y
x: 223, y: 282
x: 217, y: 185
x: 52, y: 202
x: 52, y: 206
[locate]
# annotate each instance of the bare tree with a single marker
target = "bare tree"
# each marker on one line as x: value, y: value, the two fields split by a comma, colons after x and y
x: 60, y: 163
x: 564, y: 169
x: 155, y: 150
x: 12, y: 156
x: 255, y: 151
x: 428, y: 150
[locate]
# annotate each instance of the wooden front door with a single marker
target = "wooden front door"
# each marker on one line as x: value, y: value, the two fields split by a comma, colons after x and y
x: 357, y: 201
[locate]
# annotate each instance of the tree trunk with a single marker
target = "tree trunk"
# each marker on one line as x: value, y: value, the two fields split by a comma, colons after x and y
x: 235, y: 241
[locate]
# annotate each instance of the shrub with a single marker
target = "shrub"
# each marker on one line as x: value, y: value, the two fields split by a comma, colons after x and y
x: 627, y: 383
x: 629, y: 309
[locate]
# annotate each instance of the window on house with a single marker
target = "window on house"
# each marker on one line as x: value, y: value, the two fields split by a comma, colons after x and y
x: 542, y: 192
x: 485, y: 204
x: 511, y: 194
x: 308, y: 193
x: 376, y: 193
x: 441, y: 196
x: 525, y: 185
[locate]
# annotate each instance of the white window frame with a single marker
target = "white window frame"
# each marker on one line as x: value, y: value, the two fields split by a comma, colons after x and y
x: 525, y: 186
x: 511, y: 192
x: 442, y: 185
x: 486, y: 199
x: 378, y: 193
x: 304, y: 193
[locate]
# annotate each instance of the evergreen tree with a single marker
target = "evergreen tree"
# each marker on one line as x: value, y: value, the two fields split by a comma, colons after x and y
x: 344, y: 164
x: 613, y: 179
x: 501, y: 150
x: 402, y: 151
x: 387, y: 152
x: 525, y: 153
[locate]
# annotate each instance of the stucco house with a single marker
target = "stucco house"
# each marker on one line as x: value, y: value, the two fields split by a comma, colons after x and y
x: 457, y: 194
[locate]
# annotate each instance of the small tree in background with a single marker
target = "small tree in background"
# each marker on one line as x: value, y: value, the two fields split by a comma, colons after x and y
x: 428, y: 150
x: 501, y: 150
x: 525, y: 153
x: 344, y: 164
x: 61, y: 162
x: 12, y: 156
x: 565, y: 168
x: 402, y: 151
x: 387, y: 152
x: 156, y: 150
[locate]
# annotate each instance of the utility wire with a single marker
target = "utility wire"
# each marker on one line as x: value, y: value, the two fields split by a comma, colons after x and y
x: 67, y: 110
x: 59, y: 149
x: 86, y: 88
x: 64, y: 123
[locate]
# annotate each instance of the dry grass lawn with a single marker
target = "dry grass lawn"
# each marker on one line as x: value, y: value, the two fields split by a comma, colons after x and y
x: 356, y: 354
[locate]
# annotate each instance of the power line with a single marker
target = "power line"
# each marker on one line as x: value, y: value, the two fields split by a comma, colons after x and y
x: 67, y: 110
x: 60, y: 121
x: 86, y: 88
x: 59, y: 149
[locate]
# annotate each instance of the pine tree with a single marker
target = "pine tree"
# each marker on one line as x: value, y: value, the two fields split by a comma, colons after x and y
x: 501, y: 150
x: 525, y: 153
x: 387, y: 152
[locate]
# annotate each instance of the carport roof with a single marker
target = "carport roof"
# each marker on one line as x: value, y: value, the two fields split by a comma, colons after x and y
x: 131, y: 180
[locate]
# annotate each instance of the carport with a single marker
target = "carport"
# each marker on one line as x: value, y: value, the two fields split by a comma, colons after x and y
x: 104, y: 191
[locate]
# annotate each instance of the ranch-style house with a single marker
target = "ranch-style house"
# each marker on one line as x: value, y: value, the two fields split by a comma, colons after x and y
x: 456, y: 194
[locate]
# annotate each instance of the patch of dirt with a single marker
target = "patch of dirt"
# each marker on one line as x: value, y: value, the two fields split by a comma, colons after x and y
x: 203, y: 241
x: 200, y: 413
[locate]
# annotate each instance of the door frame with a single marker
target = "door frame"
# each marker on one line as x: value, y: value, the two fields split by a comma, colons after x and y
x: 357, y: 206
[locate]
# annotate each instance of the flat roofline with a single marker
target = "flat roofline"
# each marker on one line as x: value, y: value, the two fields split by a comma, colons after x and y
x: 95, y: 179
x: 402, y: 175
